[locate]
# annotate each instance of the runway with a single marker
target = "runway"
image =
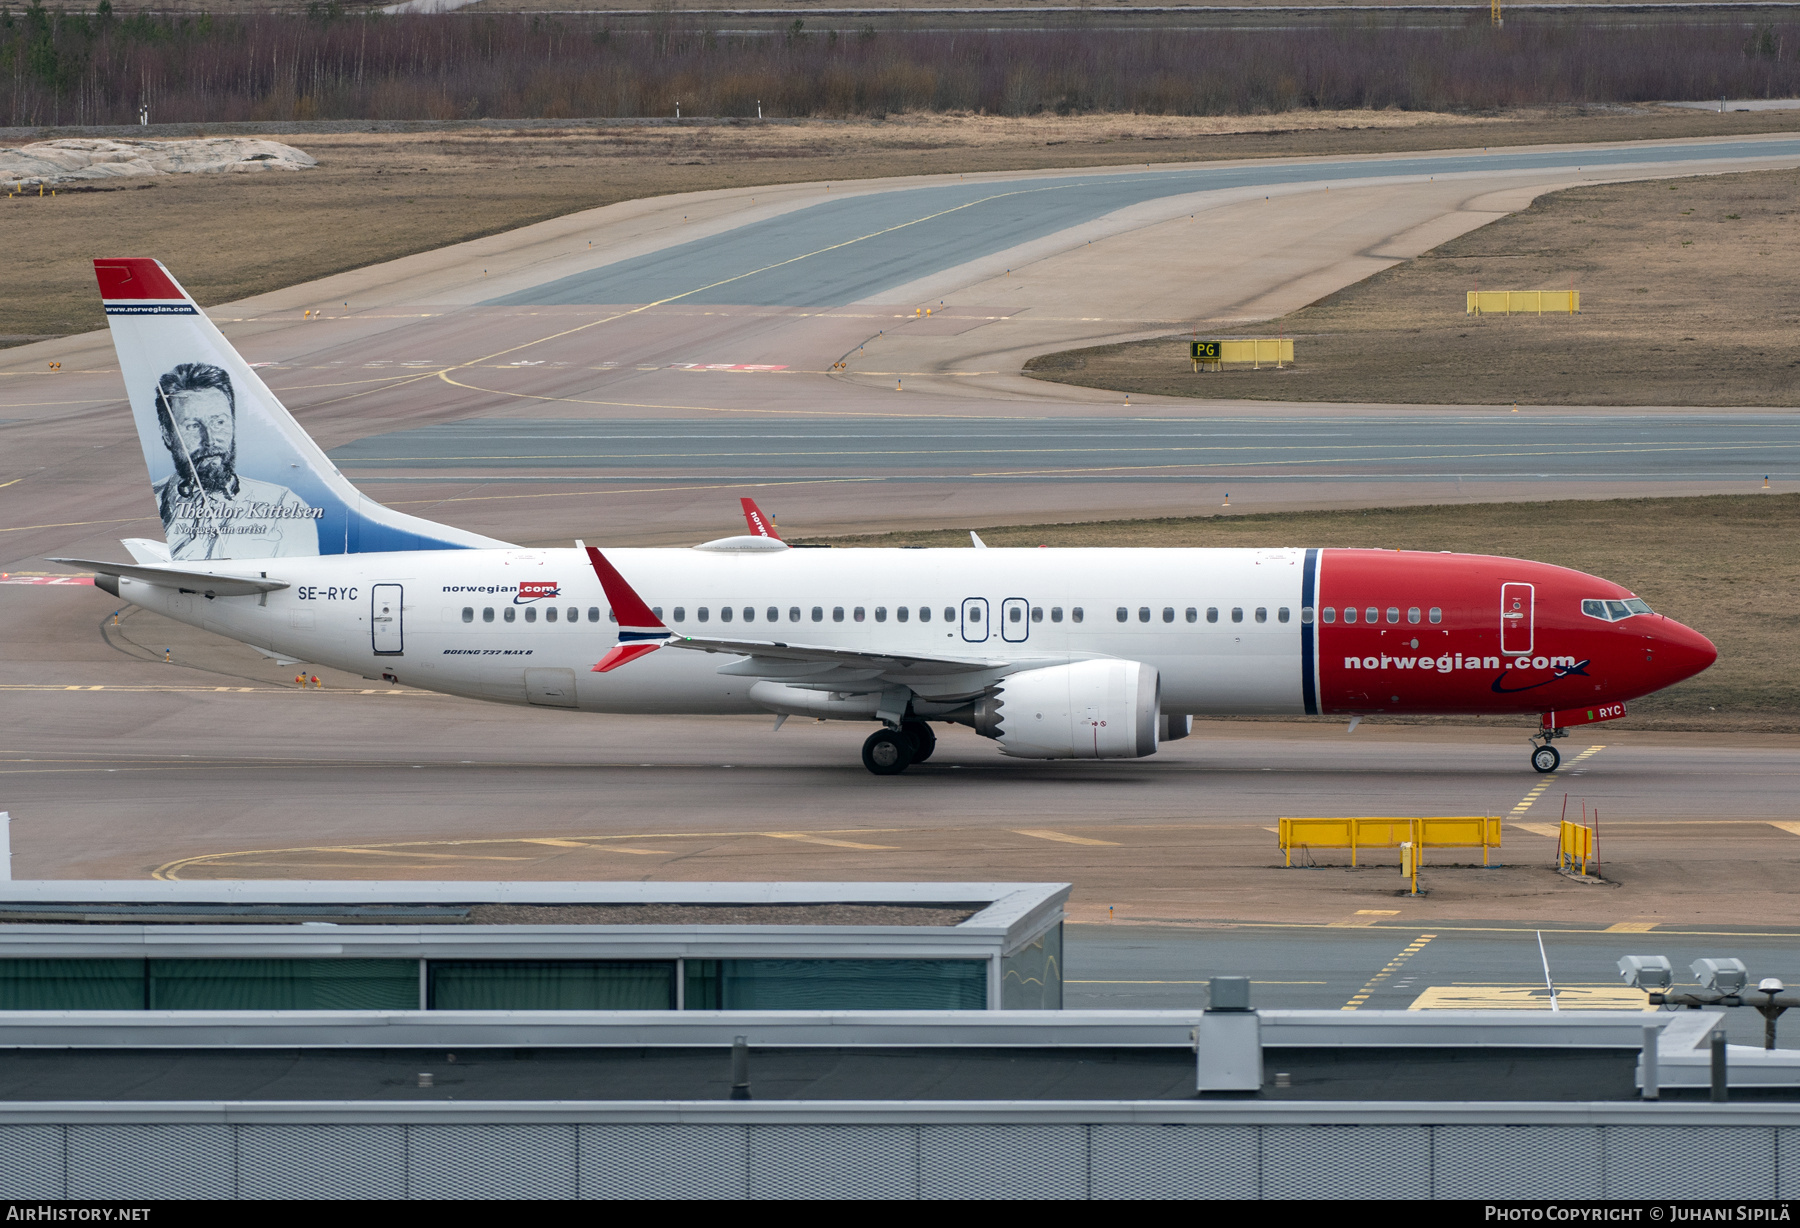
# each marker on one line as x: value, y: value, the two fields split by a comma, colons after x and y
x: 499, y: 387
x: 858, y: 249
x: 1659, y: 449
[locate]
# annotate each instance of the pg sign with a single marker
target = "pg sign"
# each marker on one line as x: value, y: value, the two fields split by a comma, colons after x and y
x: 1204, y: 351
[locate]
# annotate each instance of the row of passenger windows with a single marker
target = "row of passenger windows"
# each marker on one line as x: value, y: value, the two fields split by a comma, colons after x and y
x: 1123, y: 614
x: 510, y: 613
x: 1611, y: 611
x: 1373, y: 614
x: 1015, y: 613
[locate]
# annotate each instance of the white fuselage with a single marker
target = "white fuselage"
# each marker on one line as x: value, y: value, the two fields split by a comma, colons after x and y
x: 439, y: 619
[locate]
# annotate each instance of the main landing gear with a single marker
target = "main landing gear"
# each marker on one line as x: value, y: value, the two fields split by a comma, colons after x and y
x: 1545, y: 758
x: 888, y: 752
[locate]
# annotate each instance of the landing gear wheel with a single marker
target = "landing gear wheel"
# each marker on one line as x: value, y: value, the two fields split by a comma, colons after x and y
x: 888, y: 752
x: 1544, y: 759
x: 923, y: 740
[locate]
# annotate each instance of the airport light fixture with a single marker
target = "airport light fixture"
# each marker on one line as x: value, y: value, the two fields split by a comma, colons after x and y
x: 1726, y: 976
x: 1722, y: 981
x: 1647, y: 972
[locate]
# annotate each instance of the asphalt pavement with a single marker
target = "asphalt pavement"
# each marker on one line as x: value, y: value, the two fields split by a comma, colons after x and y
x: 1572, y: 448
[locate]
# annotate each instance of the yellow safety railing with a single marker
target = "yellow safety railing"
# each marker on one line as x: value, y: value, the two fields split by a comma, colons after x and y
x: 1576, y: 845
x: 1213, y: 355
x: 1444, y: 832
x: 1523, y: 302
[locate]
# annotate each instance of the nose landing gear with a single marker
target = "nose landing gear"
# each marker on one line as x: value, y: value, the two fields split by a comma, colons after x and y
x: 1545, y: 759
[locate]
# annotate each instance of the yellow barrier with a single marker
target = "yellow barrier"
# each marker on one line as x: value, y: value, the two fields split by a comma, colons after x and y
x: 1575, y: 843
x: 1523, y: 302
x: 1213, y: 355
x: 1453, y: 832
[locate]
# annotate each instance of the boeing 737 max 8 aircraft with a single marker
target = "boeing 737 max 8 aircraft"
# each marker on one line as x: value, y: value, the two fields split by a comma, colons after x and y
x: 1091, y: 654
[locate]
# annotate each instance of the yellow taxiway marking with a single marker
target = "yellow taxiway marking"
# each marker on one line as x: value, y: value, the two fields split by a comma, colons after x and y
x: 806, y: 839
x: 1526, y: 801
x: 604, y: 848
x: 170, y: 871
x: 1393, y: 458
x: 369, y: 852
x: 1366, y: 916
x: 1540, y: 829
x: 1531, y: 998
x: 72, y: 524
x: 1631, y: 927
x: 639, y: 490
x: 1787, y: 825
x: 1393, y: 965
x: 1039, y: 833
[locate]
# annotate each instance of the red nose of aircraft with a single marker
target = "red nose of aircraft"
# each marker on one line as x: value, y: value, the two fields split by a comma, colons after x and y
x: 1674, y: 652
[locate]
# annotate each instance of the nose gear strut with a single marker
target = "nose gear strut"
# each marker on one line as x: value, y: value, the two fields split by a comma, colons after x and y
x: 1545, y: 758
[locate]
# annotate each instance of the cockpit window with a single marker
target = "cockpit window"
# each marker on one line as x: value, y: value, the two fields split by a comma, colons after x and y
x: 1613, y: 611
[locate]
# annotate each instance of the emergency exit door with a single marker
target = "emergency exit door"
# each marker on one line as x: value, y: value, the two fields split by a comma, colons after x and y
x: 1516, y: 618
x: 974, y: 619
x: 1015, y: 620
x: 386, y: 629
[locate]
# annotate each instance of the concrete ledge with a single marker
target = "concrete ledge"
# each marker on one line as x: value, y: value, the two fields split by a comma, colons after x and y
x: 801, y: 1029
x: 853, y: 1112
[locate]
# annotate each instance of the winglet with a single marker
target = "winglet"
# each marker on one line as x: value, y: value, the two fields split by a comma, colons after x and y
x: 759, y: 522
x: 641, y: 632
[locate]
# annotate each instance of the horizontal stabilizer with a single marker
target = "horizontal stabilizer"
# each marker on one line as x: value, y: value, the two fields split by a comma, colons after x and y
x: 201, y: 582
x: 143, y: 550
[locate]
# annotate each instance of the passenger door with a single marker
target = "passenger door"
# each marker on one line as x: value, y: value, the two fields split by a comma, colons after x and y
x: 386, y: 628
x: 1015, y: 620
x: 1516, y: 619
x: 975, y: 619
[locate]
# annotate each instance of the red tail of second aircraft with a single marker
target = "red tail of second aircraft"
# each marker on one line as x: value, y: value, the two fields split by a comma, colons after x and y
x: 760, y: 524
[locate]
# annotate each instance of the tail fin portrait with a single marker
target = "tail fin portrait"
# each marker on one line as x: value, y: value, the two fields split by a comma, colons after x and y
x: 234, y: 475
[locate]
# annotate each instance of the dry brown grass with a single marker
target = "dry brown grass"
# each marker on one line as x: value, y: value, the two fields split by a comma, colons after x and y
x: 1721, y: 564
x: 380, y: 195
x: 1686, y: 299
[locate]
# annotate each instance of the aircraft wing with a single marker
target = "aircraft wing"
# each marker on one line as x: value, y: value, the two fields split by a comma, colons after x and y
x: 203, y: 582
x: 769, y: 658
x: 641, y: 633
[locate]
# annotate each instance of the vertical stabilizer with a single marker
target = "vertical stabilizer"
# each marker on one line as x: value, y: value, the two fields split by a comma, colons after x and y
x: 234, y: 475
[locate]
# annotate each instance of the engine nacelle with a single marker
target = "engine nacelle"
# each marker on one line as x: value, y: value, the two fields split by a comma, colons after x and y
x: 1088, y: 710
